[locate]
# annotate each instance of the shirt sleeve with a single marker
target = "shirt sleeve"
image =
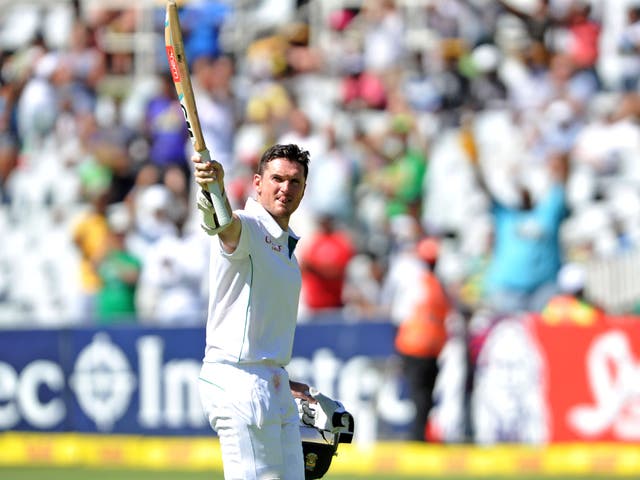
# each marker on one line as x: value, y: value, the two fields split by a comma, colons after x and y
x: 247, y: 233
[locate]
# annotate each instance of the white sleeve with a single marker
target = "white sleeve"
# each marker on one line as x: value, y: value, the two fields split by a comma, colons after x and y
x: 247, y: 238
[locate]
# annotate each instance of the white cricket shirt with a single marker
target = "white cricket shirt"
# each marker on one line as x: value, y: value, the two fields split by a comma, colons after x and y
x: 253, y: 304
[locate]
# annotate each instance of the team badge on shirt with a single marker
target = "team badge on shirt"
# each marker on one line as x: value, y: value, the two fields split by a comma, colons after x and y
x: 274, y: 246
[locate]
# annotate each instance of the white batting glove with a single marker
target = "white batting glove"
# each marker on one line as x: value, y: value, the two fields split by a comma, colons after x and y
x: 306, y: 412
x: 209, y: 221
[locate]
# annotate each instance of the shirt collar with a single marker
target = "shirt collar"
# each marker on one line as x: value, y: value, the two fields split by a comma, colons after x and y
x: 254, y: 207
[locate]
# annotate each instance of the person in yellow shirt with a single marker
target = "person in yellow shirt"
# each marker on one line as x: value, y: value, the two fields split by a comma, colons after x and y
x: 90, y: 235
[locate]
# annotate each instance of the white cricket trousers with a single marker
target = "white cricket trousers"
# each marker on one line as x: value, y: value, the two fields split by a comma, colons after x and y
x: 252, y: 410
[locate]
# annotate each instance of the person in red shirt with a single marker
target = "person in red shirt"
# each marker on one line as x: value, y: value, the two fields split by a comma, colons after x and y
x: 323, y: 264
x: 584, y: 35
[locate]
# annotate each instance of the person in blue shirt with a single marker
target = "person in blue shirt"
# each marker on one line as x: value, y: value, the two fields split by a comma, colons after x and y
x: 527, y: 254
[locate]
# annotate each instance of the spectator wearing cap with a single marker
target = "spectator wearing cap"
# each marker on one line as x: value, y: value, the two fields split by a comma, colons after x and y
x: 570, y: 305
x: 172, y: 285
x: 402, y: 177
x: 421, y: 337
x: 154, y: 206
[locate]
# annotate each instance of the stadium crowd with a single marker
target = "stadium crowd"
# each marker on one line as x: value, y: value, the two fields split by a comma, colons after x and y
x: 505, y: 131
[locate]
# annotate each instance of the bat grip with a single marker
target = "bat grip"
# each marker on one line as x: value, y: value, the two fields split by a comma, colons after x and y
x: 217, y: 200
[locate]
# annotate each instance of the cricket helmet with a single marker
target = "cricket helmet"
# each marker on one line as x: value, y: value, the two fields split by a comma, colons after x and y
x: 323, y: 426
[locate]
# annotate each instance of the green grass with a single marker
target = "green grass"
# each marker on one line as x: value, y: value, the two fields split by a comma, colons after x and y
x: 54, y: 473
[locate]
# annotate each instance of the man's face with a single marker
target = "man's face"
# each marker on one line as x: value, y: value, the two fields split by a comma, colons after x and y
x: 280, y: 188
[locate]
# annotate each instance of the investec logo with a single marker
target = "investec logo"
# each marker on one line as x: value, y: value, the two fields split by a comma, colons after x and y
x: 104, y: 383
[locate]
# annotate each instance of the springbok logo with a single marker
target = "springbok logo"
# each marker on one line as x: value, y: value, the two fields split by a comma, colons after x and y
x: 310, y: 461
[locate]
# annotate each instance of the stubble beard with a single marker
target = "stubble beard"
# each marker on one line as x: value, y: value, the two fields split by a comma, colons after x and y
x: 282, y: 211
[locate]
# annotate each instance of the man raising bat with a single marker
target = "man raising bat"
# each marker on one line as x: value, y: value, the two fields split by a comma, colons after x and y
x: 179, y: 71
x: 253, y: 307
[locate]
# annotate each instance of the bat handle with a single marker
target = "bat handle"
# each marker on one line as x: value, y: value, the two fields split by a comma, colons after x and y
x: 217, y: 200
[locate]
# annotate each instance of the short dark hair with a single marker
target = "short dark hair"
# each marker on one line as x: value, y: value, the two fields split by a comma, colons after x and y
x: 290, y: 152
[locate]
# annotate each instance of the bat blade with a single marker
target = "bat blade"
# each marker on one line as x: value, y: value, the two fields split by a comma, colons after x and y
x: 179, y: 71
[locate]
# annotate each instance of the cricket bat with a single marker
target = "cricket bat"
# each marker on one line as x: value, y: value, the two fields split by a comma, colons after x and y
x: 179, y: 70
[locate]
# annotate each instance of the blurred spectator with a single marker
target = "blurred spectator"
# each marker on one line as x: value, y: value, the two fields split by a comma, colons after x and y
x: 536, y: 16
x: 526, y: 239
x: 152, y: 218
x: 566, y: 80
x: 148, y: 174
x: 107, y: 23
x: 323, y: 264
x: 363, y: 90
x: 8, y: 97
x: 177, y: 183
x: 217, y: 107
x: 629, y: 47
x: 451, y: 81
x: 486, y: 88
x: 583, y: 36
x: 361, y: 293
x: 330, y: 190
x: 402, y: 178
x: 38, y: 103
x: 166, y: 128
x: 420, y: 86
x: 302, y: 56
x: 87, y: 64
x: 203, y: 22
x: 171, y: 290
x: 401, y: 283
x: 103, y: 154
x: 375, y: 57
x: 570, y: 306
x: 78, y: 152
x: 118, y: 271
x: 114, y: 157
x: 90, y: 236
x: 268, y: 15
x: 602, y: 142
x: 299, y: 129
x: 421, y: 336
x: 8, y: 163
x: 382, y: 25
